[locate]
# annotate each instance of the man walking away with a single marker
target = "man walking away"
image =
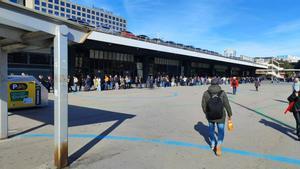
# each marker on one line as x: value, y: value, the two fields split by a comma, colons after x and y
x: 234, y: 85
x: 70, y: 83
x: 88, y: 83
x: 80, y: 81
x: 50, y: 84
x: 214, y: 101
x: 75, y: 83
x: 257, y: 84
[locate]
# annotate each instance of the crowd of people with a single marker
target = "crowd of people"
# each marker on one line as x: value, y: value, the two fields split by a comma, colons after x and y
x: 109, y: 82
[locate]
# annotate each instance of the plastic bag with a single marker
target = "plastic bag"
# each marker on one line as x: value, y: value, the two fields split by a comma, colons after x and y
x: 230, y: 125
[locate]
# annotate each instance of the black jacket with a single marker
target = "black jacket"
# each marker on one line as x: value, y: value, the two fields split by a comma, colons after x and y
x: 214, y: 89
x: 296, y: 99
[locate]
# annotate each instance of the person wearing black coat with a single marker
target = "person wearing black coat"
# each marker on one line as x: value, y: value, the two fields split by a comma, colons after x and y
x: 295, y: 97
x: 88, y: 83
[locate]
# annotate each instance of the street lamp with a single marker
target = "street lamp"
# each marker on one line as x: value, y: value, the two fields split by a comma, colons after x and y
x: 272, y: 78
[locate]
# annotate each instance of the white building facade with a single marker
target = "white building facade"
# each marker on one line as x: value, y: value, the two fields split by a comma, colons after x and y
x: 230, y: 53
x: 247, y: 58
x: 93, y: 16
x: 288, y: 58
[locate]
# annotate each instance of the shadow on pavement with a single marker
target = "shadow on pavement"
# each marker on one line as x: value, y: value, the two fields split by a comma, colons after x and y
x: 282, y: 101
x: 27, y: 131
x: 287, y: 131
x: 263, y: 115
x: 78, y: 116
x: 202, y: 129
x: 76, y: 155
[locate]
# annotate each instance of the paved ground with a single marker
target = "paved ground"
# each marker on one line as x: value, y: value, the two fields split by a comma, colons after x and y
x: 155, y: 129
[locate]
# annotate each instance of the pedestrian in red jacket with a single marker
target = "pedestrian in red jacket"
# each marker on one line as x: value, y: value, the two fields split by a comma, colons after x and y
x: 234, y: 84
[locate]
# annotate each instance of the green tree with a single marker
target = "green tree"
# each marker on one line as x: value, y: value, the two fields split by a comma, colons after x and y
x: 287, y: 65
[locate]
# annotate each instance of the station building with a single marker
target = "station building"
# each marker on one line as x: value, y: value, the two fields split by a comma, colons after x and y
x: 102, y: 53
x: 116, y: 59
x: 97, y: 56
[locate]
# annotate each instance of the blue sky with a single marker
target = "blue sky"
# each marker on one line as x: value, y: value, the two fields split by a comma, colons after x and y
x: 252, y: 27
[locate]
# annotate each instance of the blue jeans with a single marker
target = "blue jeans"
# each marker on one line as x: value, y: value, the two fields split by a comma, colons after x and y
x: 75, y: 87
x: 221, y: 133
x: 234, y: 90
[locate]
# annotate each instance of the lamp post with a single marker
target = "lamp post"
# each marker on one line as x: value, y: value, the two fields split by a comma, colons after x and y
x: 272, y: 78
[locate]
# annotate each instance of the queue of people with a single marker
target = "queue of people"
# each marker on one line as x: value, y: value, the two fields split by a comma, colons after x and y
x: 108, y: 82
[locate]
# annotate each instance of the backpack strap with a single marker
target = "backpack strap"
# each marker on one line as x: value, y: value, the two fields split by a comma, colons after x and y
x: 220, y: 93
x: 210, y: 94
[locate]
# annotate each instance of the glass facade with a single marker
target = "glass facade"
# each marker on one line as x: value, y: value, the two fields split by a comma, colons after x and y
x: 30, y: 63
x: 198, y: 68
x: 164, y: 66
x: 114, y: 63
x: 30, y: 58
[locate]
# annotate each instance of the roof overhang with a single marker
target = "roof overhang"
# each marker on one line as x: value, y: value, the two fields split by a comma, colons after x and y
x: 22, y: 29
x: 103, y: 37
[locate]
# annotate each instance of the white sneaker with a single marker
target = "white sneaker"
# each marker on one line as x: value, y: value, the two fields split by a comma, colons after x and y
x: 212, y: 147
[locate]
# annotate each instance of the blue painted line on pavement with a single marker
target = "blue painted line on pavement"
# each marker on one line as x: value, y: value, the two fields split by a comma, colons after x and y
x: 275, y: 158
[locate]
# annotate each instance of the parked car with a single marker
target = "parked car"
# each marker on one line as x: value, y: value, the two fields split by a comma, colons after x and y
x: 143, y: 37
x: 180, y: 45
x: 170, y: 43
x: 81, y: 22
x: 116, y: 33
x: 157, y: 40
x: 190, y: 47
x: 128, y: 34
x: 72, y: 19
x: 206, y: 51
x: 199, y: 50
x: 105, y: 26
